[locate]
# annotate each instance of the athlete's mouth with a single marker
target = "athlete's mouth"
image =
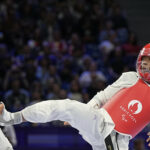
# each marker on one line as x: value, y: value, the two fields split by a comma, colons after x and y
x: 145, y: 70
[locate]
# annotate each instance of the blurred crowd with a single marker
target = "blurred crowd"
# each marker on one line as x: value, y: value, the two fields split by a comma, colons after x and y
x: 57, y: 49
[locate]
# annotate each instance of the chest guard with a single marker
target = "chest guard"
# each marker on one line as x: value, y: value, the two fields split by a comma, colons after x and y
x: 129, y: 108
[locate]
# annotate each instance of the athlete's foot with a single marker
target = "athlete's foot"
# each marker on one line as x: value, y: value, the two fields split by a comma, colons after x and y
x: 1, y: 107
x: 66, y: 124
x: 8, y: 118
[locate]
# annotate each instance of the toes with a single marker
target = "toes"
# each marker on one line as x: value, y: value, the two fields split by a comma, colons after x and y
x: 1, y: 108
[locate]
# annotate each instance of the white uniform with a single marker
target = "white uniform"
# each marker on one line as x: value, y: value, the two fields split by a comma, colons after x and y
x: 9, y: 132
x: 94, y: 124
x: 4, y: 143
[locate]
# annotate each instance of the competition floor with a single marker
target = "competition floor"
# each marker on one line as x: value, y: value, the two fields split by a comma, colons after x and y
x: 57, y: 138
x: 50, y: 138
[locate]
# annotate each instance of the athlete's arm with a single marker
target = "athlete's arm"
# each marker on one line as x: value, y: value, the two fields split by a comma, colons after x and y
x: 126, y: 80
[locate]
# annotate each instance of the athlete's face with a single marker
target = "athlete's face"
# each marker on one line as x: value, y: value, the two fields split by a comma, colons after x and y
x: 145, y: 64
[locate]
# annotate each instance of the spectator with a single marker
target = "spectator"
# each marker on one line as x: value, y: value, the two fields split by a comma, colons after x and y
x: 86, y: 77
x: 62, y: 94
x: 17, y: 97
x: 75, y: 91
x: 51, y: 73
x: 15, y: 73
x: 54, y: 92
x: 131, y: 47
x: 138, y: 144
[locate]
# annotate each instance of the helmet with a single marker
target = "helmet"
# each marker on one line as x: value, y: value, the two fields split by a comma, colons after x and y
x: 144, y: 52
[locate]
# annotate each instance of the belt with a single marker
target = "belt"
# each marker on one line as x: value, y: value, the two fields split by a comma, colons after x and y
x: 108, y: 143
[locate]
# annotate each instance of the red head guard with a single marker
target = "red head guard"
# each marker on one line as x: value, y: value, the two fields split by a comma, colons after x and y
x: 144, y: 52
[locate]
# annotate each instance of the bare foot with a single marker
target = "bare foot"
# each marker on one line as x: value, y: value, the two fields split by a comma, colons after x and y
x: 1, y: 108
x: 66, y: 123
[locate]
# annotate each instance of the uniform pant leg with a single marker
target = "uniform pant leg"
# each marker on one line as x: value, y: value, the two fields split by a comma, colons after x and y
x: 87, y: 120
x: 120, y: 142
x: 123, y: 142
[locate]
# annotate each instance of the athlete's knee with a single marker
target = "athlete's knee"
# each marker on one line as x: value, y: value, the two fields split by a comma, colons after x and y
x: 70, y: 104
x: 65, y: 106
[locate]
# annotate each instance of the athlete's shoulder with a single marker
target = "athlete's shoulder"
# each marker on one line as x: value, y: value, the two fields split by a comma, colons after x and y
x: 130, y: 74
x: 128, y: 78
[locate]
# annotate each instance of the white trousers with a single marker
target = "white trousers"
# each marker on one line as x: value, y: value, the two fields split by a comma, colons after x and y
x: 4, y: 143
x: 89, y: 121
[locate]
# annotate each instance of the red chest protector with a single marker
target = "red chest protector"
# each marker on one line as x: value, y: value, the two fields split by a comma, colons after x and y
x: 129, y: 108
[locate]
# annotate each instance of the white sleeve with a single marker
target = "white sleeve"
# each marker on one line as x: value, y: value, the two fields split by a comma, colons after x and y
x: 126, y: 80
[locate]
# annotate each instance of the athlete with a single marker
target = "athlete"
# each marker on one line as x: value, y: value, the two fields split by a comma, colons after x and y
x: 110, y: 119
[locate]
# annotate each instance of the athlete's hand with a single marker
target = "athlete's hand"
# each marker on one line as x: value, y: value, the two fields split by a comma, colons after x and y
x: 148, y: 139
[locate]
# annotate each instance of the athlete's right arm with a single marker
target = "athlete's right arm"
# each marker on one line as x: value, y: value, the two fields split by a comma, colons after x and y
x: 126, y: 80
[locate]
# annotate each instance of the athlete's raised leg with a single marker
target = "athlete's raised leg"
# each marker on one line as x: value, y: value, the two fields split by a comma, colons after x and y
x: 87, y: 120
